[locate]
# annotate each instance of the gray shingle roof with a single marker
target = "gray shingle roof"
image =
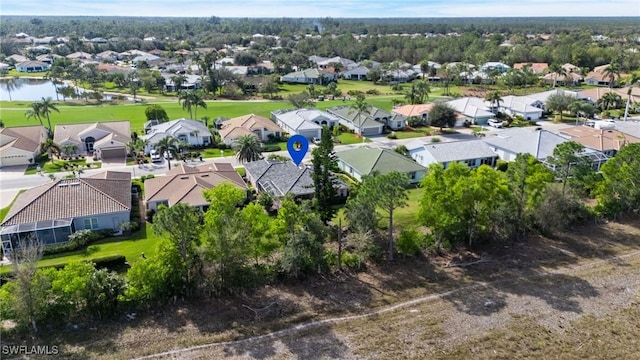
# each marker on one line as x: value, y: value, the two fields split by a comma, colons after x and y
x: 457, y: 150
x: 539, y: 143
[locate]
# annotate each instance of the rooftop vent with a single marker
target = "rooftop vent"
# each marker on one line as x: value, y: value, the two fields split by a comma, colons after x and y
x: 74, y: 183
x: 63, y: 185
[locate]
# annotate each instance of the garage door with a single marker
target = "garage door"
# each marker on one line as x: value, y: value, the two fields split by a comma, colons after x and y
x: 309, y: 134
x: 370, y: 131
x: 13, y: 160
x: 113, y: 155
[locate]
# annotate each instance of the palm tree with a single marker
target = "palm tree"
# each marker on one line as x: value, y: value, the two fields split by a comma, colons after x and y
x: 197, y: 101
x: 612, y: 72
x: 558, y: 71
x: 494, y: 98
x: 185, y: 99
x: 46, y: 106
x: 248, y: 149
x: 34, y: 112
x: 177, y: 81
x: 360, y: 107
x: 50, y: 148
x: 11, y: 84
x: 610, y: 100
x: 635, y: 79
x: 167, y: 145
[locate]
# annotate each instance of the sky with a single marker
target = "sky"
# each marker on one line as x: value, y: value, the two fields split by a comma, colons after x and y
x: 326, y: 8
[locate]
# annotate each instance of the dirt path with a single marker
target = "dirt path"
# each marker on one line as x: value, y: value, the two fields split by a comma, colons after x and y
x: 556, y: 297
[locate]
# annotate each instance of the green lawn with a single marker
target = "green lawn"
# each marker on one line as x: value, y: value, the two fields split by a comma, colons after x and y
x: 13, y: 113
x: 143, y: 241
x: 211, y: 153
x: 48, y: 167
x: 4, y: 211
x: 406, y: 216
x: 14, y: 72
x: 349, y: 138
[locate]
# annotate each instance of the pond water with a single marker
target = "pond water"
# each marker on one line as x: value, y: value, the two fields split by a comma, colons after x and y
x: 31, y: 90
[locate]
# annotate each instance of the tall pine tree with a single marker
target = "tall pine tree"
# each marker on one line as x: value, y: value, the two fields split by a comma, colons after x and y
x: 324, y: 161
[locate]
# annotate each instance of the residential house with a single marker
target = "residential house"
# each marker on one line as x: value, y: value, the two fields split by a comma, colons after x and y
x: 279, y: 178
x: 607, y: 141
x: 570, y: 79
x: 494, y: 65
x: 536, y: 68
x: 16, y: 58
x: 357, y: 73
x: 106, y: 140
x: 48, y: 58
x: 251, y: 124
x: 366, y: 160
x: 309, y: 76
x: 108, y: 55
x: 474, y: 109
x: 599, y: 77
x: 521, y: 106
x: 473, y: 153
x: 192, y: 132
x: 190, y: 82
x: 20, y: 145
x: 55, y: 210
x: 4, y: 66
x: 510, y: 142
x: 329, y: 62
x: 80, y: 55
x: 418, y: 111
x: 305, y: 122
x: 362, y: 124
x: 593, y: 95
x: 186, y: 185
x: 32, y: 66
x: 398, y: 75
x: 392, y: 120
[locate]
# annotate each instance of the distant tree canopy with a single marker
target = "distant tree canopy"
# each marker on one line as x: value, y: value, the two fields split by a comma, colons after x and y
x: 467, y: 40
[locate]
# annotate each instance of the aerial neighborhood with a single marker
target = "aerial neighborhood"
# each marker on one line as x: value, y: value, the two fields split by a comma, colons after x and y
x: 165, y: 159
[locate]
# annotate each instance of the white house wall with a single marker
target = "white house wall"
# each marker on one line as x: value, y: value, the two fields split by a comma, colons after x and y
x: 105, y: 221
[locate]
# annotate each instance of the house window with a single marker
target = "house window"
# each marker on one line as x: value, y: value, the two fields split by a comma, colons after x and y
x: 412, y: 175
x: 470, y: 163
x: 91, y: 224
x: 182, y: 137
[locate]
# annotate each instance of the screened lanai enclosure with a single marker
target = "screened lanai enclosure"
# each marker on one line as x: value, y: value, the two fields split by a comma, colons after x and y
x: 49, y: 232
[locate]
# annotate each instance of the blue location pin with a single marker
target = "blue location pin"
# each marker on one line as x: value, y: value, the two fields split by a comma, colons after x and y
x: 297, y: 153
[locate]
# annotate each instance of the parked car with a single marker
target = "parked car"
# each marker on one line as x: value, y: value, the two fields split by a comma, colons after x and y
x: 316, y: 140
x: 168, y: 155
x: 495, y: 123
x: 155, y: 156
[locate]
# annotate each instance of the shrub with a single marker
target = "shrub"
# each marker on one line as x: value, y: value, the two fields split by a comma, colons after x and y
x: 350, y: 260
x: 150, y: 213
x: 111, y: 263
x: 409, y: 242
x: 78, y: 240
x: 392, y: 135
x: 435, y: 140
x: 270, y: 148
x: 373, y: 92
x: 502, y: 165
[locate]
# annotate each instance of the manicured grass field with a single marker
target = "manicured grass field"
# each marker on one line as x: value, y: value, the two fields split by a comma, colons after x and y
x: 349, y: 138
x: 48, y: 167
x: 143, y: 241
x: 13, y: 113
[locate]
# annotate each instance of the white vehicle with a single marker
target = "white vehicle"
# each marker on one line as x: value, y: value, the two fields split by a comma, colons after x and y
x: 495, y: 123
x: 168, y: 155
x: 316, y: 140
x: 155, y: 156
